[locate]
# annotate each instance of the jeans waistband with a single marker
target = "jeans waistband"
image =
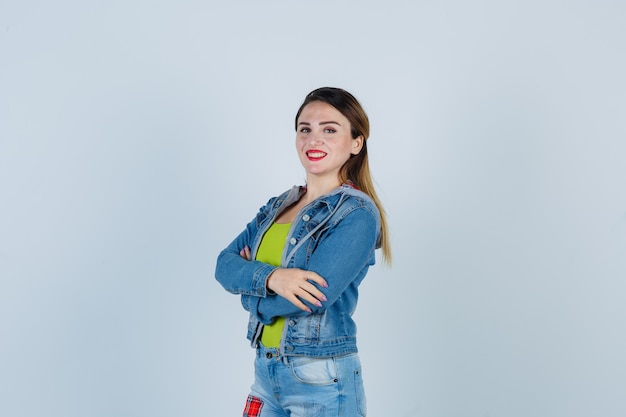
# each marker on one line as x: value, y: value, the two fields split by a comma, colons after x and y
x: 269, y: 353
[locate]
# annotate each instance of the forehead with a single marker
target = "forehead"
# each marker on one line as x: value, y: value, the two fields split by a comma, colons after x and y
x: 318, y: 111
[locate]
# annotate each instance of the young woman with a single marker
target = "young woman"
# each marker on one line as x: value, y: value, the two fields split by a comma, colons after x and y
x: 298, y: 265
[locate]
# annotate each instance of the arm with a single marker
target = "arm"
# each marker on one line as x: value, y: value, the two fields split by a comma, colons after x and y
x: 238, y: 275
x: 341, y: 257
x: 293, y: 284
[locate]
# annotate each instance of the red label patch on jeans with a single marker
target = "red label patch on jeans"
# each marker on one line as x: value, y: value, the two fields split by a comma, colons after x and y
x: 253, y: 407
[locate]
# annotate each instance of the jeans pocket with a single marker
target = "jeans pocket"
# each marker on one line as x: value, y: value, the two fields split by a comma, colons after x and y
x: 314, y: 371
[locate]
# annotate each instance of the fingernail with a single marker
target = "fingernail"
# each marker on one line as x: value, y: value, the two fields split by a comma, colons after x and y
x: 325, y: 285
x: 323, y: 298
x: 318, y: 304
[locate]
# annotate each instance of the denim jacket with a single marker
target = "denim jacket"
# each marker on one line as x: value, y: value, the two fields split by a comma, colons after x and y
x: 335, y: 236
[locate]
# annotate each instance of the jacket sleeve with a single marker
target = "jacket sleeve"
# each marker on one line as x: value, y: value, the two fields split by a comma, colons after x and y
x: 238, y: 275
x: 342, y: 256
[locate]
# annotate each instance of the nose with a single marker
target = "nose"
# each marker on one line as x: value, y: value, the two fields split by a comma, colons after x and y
x: 317, y: 138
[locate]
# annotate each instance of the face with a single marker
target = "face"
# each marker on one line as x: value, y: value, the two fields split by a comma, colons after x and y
x: 324, y: 141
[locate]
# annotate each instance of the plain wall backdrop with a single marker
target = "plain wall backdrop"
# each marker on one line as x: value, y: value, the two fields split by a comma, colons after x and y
x: 138, y: 137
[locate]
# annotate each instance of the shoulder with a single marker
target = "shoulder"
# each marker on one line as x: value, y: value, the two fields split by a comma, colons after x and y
x: 347, y: 202
x: 354, y: 199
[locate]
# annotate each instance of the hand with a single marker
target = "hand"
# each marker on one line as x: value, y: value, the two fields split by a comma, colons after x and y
x: 245, y: 253
x: 294, y: 285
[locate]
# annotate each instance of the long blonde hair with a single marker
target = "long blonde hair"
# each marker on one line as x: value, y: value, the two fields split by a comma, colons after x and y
x: 356, y: 169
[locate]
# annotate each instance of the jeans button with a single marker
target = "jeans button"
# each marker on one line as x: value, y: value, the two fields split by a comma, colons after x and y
x: 268, y: 355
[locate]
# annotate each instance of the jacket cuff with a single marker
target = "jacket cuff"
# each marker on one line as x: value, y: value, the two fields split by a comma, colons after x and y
x: 259, y: 283
x: 251, y: 304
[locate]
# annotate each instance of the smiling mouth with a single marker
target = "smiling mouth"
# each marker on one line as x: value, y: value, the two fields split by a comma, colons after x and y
x: 315, y: 155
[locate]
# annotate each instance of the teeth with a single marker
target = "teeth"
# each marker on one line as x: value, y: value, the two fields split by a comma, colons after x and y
x: 316, y: 154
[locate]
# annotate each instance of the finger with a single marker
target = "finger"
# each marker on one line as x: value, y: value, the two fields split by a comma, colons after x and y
x: 296, y: 302
x: 308, y: 292
x: 245, y: 253
x: 308, y: 297
x: 319, y: 295
x: 312, y: 276
x: 312, y: 292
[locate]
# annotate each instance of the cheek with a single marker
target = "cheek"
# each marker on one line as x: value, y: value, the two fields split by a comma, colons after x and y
x: 300, y: 141
x: 348, y: 147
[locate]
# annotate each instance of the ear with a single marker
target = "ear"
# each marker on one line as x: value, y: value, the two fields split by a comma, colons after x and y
x: 357, y: 144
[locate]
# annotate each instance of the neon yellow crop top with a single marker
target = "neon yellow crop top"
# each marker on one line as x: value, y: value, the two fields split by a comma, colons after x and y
x: 270, y: 252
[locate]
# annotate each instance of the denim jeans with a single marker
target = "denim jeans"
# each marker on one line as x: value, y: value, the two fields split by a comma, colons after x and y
x: 298, y: 386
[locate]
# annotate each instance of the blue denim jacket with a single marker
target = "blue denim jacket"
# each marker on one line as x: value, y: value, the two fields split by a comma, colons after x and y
x: 335, y: 236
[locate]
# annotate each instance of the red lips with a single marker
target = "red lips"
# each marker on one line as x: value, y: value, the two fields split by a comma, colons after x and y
x: 315, y: 155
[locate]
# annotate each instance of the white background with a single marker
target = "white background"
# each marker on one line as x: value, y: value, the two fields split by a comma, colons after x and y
x: 138, y: 137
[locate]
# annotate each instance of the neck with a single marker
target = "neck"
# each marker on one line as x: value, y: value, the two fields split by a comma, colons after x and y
x: 318, y: 186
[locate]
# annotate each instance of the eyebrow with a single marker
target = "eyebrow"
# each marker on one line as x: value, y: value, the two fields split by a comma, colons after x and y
x: 321, y: 123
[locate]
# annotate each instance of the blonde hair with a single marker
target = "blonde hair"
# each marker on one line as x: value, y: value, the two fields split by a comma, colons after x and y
x: 356, y: 169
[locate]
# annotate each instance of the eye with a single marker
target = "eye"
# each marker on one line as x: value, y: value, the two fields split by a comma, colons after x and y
x: 329, y: 130
x: 305, y: 130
